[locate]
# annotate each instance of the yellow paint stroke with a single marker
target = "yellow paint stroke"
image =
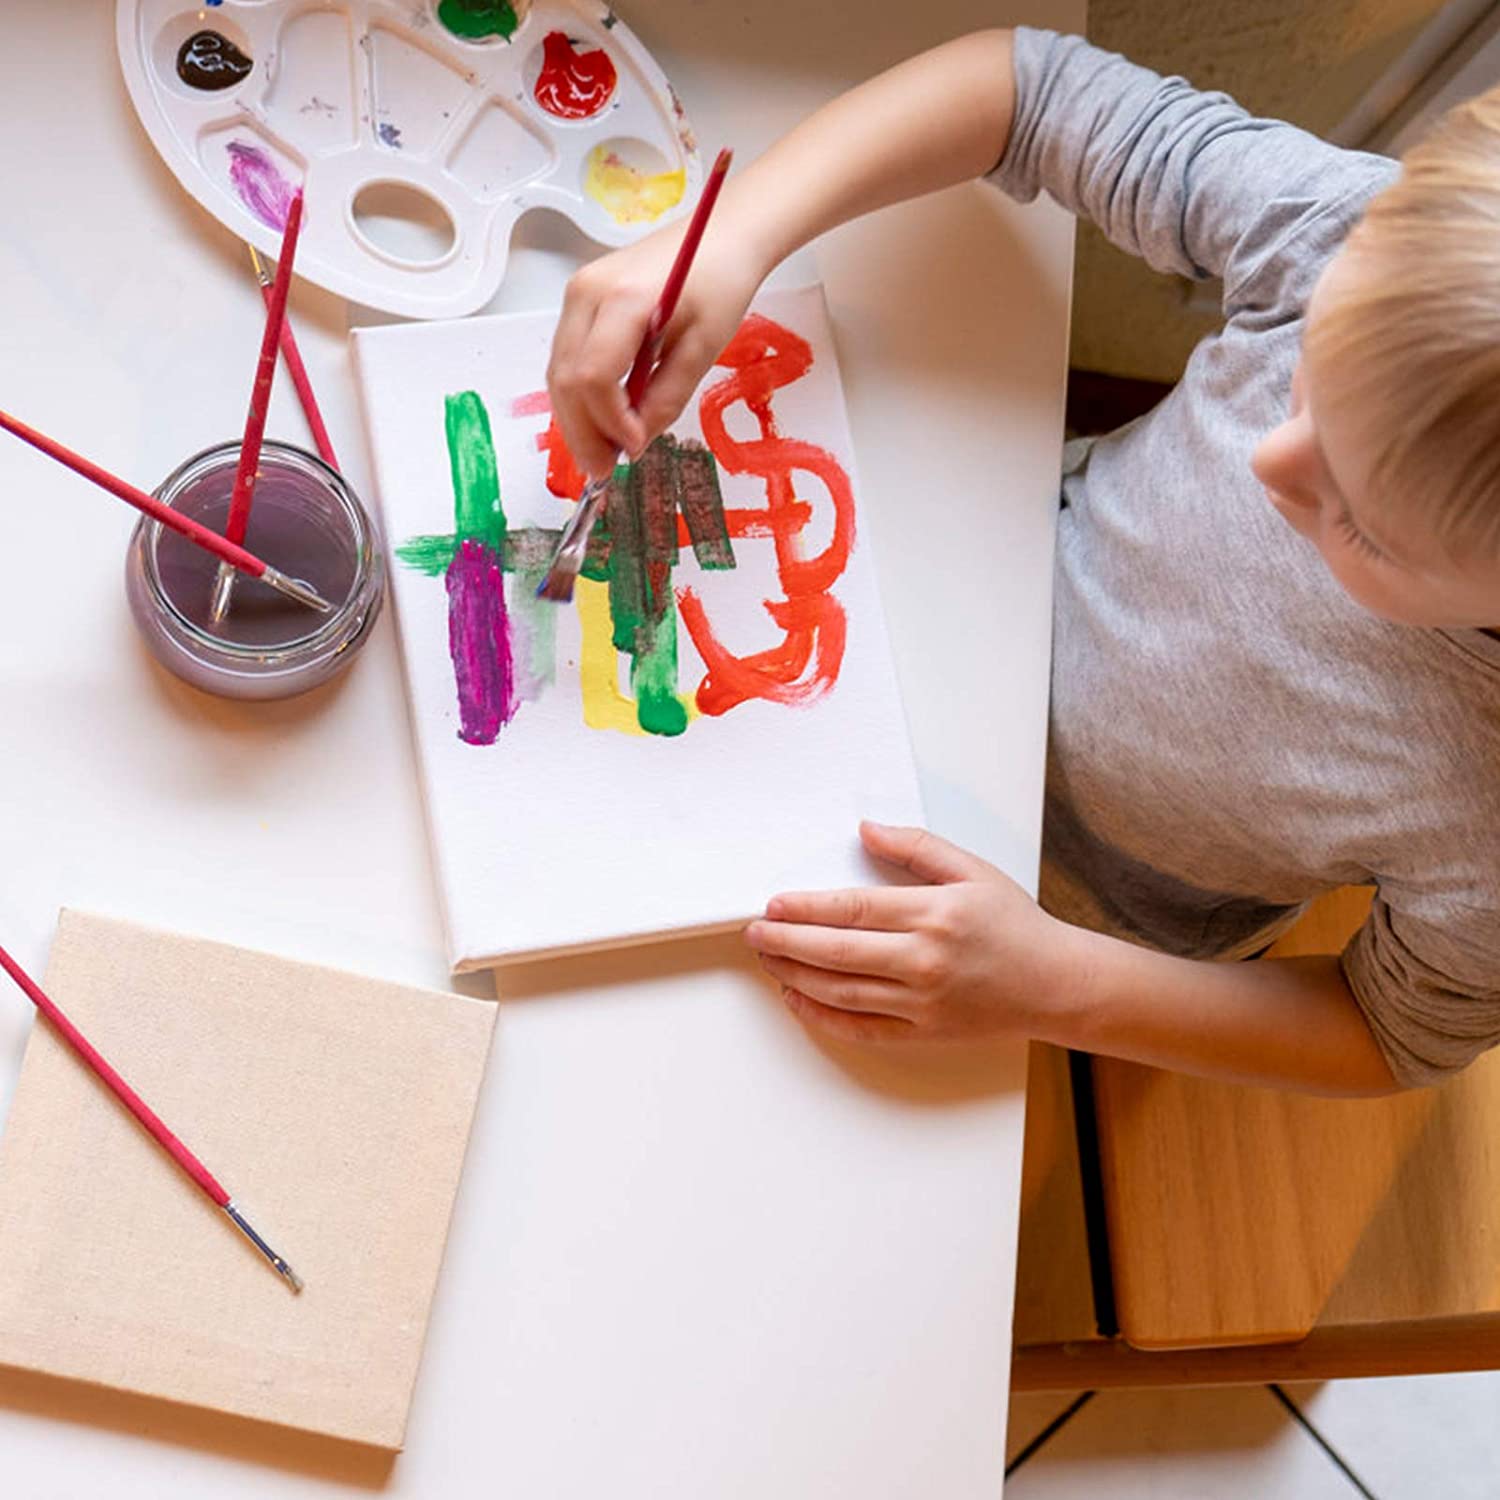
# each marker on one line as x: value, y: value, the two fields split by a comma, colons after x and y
x: 604, y: 705
x: 629, y: 196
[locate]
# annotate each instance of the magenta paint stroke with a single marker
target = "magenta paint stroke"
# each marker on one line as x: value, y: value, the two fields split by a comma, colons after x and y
x: 262, y: 188
x: 479, y: 643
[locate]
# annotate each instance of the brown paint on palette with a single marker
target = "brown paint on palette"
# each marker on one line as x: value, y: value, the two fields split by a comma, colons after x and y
x: 210, y: 61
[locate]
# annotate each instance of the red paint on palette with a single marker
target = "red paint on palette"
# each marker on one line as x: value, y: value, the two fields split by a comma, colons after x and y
x: 573, y: 85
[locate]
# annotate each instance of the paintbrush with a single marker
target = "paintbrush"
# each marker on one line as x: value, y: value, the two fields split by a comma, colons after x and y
x: 143, y: 1112
x: 260, y: 400
x: 568, y: 559
x: 228, y: 552
x: 296, y: 369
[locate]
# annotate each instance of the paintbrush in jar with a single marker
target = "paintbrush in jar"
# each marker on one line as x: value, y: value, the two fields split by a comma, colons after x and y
x: 260, y: 400
x: 228, y: 553
x: 295, y: 367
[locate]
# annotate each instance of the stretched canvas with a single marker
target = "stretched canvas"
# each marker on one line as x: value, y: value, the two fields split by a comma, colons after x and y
x: 336, y: 1109
x: 709, y: 718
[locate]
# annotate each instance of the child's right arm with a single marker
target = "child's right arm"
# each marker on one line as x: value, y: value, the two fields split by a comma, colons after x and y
x: 940, y: 118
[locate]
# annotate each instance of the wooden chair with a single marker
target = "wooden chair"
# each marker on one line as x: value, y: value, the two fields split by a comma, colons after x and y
x: 1254, y: 1235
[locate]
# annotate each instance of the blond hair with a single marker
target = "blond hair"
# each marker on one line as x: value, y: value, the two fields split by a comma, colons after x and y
x: 1414, y: 345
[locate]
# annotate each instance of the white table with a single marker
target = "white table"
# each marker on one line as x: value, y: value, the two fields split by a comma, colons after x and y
x: 695, y: 1254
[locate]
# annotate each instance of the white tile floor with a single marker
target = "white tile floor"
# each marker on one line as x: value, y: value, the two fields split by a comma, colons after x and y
x: 1428, y: 1438
x: 1433, y: 1437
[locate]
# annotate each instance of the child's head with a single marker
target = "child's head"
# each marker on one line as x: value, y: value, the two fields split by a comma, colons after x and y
x: 1390, y: 460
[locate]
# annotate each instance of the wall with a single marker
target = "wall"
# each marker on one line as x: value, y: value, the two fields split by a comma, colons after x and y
x: 1307, y: 63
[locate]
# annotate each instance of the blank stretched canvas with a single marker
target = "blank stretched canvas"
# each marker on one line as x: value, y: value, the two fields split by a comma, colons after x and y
x: 334, y: 1108
x: 709, y: 718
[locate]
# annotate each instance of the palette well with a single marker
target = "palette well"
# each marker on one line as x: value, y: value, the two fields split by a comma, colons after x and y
x: 420, y: 132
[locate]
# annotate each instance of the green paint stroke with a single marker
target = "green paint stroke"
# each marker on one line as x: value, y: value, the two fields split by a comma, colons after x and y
x: 431, y: 555
x: 633, y: 549
x: 477, y: 513
x: 653, y: 678
x: 476, y: 19
x: 629, y: 610
x: 695, y: 480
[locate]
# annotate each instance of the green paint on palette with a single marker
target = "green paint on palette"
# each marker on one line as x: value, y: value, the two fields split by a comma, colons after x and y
x: 477, y: 513
x: 474, y: 20
x: 653, y: 679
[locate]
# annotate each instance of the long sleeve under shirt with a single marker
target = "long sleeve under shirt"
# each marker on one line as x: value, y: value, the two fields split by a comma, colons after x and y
x: 1231, y: 734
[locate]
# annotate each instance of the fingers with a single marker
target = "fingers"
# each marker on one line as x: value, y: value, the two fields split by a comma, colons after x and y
x: 854, y: 992
x: 844, y: 1025
x: 927, y: 856
x: 684, y: 362
x: 876, y: 909
x: 592, y: 350
x: 588, y: 446
x: 602, y: 408
x: 847, y: 950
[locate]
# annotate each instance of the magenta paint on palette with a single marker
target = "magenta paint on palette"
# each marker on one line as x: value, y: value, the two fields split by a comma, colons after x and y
x: 260, y: 183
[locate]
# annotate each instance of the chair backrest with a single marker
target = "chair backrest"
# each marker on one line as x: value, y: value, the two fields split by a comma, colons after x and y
x: 1241, y: 1215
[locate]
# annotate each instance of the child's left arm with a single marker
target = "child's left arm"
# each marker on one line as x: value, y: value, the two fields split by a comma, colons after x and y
x: 970, y: 954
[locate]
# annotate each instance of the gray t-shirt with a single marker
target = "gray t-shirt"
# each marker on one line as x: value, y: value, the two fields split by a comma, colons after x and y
x: 1231, y: 734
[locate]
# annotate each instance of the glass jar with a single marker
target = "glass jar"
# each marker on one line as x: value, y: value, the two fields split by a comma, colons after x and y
x: 305, y: 521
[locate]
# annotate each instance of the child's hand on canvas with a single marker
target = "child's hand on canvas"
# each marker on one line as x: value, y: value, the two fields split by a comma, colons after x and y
x: 605, y: 312
x: 967, y: 954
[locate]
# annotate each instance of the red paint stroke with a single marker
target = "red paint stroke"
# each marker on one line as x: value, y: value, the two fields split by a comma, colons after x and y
x: 764, y: 356
x: 573, y: 85
x: 532, y: 404
x: 564, y: 478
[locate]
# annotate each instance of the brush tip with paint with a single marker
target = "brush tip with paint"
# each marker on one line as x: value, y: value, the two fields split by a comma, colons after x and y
x: 567, y: 561
x: 557, y: 585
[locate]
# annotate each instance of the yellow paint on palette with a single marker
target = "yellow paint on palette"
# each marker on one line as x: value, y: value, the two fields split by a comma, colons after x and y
x: 604, y: 705
x: 629, y: 196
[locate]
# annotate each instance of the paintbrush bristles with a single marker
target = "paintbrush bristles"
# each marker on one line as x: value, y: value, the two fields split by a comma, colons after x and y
x: 557, y: 585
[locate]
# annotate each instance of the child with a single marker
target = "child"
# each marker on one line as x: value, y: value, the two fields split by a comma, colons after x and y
x: 1272, y: 672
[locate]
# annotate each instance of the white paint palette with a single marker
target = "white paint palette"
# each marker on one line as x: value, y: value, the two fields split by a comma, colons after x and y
x: 419, y: 131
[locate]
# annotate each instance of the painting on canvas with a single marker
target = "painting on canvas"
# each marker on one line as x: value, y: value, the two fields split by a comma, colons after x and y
x: 709, y: 718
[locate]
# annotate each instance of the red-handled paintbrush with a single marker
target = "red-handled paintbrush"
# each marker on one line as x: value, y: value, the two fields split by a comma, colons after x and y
x: 228, y: 552
x: 147, y: 1116
x: 292, y: 355
x: 260, y: 400
x: 568, y: 559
